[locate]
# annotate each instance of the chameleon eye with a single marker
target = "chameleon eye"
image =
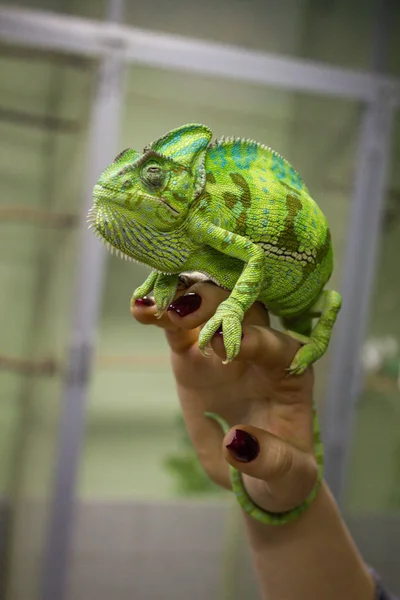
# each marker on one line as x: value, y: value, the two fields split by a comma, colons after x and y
x: 154, y: 176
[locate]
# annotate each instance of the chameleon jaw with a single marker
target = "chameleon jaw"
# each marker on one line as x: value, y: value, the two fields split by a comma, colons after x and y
x: 91, y: 220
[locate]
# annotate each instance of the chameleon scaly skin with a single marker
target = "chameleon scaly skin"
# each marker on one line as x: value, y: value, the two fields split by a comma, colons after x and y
x: 233, y: 210
x: 246, y: 502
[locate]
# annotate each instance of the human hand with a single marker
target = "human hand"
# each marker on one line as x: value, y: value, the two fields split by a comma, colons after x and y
x: 253, y: 393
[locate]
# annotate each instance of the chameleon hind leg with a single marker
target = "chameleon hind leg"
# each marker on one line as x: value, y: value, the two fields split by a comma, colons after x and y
x: 315, y: 340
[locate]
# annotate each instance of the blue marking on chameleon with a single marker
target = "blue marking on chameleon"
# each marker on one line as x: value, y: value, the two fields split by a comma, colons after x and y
x: 243, y: 157
x: 265, y: 190
x: 295, y: 179
x: 236, y: 152
x: 237, y: 209
x: 172, y: 142
x: 203, y: 203
x: 278, y: 166
x: 218, y: 156
x: 185, y: 150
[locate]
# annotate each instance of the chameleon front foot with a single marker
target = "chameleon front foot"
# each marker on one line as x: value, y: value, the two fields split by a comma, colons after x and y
x: 228, y: 317
x: 144, y: 289
x: 164, y: 292
x: 164, y: 288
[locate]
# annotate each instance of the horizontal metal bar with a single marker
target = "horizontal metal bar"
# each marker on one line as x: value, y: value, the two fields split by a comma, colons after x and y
x: 28, y: 119
x: 48, y: 366
x: 26, y: 214
x: 95, y: 38
x: 51, y: 31
x: 245, y: 65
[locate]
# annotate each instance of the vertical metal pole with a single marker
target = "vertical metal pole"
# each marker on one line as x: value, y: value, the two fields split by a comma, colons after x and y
x: 345, y: 379
x: 102, y: 147
x: 362, y: 252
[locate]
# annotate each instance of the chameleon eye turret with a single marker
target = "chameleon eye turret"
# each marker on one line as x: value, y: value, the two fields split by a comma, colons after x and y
x: 154, y: 175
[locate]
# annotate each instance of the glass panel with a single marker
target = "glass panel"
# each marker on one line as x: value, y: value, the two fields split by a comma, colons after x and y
x: 134, y: 406
x: 374, y: 477
x: 44, y: 103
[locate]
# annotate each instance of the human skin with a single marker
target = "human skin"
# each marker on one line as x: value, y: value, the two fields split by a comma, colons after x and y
x: 313, y: 557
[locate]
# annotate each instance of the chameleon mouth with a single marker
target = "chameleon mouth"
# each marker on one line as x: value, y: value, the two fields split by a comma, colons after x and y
x: 162, y: 201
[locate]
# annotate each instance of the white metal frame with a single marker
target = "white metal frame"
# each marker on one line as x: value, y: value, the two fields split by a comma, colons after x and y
x: 117, y: 45
x: 96, y: 39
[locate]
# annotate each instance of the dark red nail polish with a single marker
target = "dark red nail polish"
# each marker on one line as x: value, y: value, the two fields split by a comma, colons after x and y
x: 185, y: 305
x: 244, y: 446
x: 144, y: 301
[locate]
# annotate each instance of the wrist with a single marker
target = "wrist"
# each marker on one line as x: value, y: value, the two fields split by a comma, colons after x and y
x: 311, y: 557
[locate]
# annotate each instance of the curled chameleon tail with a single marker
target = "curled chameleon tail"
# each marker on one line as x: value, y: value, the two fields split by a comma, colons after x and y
x: 244, y: 499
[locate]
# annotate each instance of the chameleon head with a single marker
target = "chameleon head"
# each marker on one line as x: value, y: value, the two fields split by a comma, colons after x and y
x: 140, y: 195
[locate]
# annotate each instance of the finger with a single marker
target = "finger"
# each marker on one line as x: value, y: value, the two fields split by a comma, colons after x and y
x: 278, y: 476
x: 197, y: 305
x: 263, y: 346
x: 180, y: 340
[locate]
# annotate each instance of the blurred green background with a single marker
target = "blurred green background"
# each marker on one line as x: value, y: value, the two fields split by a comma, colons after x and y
x: 131, y: 426
x: 45, y: 104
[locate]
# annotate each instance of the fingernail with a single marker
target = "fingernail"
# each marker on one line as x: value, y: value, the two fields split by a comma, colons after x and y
x: 184, y: 305
x: 219, y: 332
x: 244, y: 446
x: 144, y: 301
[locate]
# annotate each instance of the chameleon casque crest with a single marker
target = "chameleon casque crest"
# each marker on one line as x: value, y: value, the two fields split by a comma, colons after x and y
x: 234, y: 210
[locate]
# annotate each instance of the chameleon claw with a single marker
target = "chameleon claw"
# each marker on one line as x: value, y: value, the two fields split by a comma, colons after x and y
x: 206, y: 352
x: 299, y: 370
x: 227, y: 361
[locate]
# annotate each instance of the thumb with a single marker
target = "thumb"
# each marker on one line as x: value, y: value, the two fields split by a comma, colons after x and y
x: 277, y: 475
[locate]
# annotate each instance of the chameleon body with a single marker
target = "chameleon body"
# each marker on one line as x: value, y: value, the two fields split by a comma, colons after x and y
x: 233, y: 210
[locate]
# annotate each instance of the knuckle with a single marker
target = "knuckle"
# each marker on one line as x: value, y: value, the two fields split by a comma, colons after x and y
x: 279, y: 460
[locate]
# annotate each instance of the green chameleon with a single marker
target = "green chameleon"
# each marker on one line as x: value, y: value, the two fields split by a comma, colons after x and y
x: 233, y: 210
